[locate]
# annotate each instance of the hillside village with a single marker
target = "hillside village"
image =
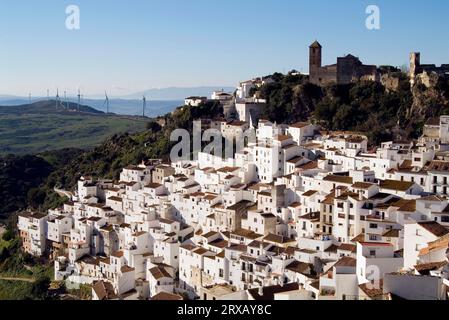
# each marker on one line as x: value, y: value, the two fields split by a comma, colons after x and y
x: 300, y: 214
x: 230, y: 228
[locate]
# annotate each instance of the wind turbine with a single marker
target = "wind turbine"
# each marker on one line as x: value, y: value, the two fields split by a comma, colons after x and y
x: 79, y: 99
x: 57, y: 98
x: 29, y: 97
x: 106, y: 102
x: 144, y: 105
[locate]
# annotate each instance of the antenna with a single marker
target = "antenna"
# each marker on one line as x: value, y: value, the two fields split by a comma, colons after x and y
x: 144, y: 106
x: 79, y: 99
x: 106, y: 102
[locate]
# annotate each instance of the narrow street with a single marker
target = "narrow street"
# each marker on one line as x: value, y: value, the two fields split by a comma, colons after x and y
x: 30, y: 280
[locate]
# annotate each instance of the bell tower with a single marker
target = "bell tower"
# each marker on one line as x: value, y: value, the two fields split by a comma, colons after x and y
x: 314, y: 61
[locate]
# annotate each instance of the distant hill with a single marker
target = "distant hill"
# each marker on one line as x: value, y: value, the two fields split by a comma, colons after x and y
x: 47, y: 107
x: 118, y: 106
x: 40, y: 126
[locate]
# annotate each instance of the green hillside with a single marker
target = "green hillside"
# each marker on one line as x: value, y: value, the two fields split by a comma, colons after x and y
x: 41, y: 127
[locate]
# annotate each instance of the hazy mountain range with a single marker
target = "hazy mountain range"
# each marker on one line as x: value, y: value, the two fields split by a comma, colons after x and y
x: 177, y: 93
x: 159, y: 101
x: 117, y: 106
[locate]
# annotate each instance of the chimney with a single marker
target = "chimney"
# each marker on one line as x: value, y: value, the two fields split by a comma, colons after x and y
x: 300, y: 285
x: 338, y: 192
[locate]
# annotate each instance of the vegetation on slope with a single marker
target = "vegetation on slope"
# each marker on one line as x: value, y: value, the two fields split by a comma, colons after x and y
x: 35, y: 133
x: 18, y: 175
x: 23, y: 180
x: 21, y: 278
x: 363, y: 106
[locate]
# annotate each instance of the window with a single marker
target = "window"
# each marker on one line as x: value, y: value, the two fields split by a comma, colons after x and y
x: 372, y: 253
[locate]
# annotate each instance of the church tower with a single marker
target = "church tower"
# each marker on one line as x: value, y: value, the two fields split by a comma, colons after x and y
x: 314, y: 61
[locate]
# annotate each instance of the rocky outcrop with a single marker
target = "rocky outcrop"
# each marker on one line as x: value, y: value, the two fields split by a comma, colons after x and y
x: 430, y: 98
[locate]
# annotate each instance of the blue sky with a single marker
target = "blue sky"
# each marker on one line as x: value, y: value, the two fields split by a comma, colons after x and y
x: 128, y: 46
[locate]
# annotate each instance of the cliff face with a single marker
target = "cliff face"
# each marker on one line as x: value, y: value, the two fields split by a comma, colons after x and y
x: 430, y: 98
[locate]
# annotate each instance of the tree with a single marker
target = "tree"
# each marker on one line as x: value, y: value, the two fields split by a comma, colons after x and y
x: 36, y: 197
x: 39, y: 290
x: 8, y: 235
x: 153, y: 126
x: 343, y: 118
